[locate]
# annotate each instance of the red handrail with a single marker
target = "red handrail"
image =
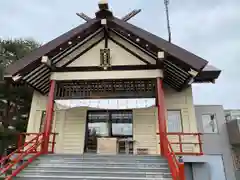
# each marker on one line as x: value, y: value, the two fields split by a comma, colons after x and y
x: 21, y: 147
x: 181, y: 143
x: 21, y: 156
x: 21, y: 140
x: 15, y: 172
x: 176, y: 168
x: 23, y: 151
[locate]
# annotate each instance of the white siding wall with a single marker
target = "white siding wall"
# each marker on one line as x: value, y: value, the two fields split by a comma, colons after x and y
x: 144, y: 129
x: 73, y: 133
x: 183, y: 101
x: 70, y: 125
x: 38, y: 105
x: 58, y: 128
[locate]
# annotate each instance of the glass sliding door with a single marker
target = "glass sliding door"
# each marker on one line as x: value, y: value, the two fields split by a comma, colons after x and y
x: 122, y: 128
x: 97, y: 126
x: 113, y: 123
x: 98, y: 123
x: 121, y: 124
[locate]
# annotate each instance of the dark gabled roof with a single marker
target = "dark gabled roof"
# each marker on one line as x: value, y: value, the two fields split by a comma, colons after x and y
x: 208, y: 74
x: 177, y: 63
x: 197, y: 63
x: 53, y: 47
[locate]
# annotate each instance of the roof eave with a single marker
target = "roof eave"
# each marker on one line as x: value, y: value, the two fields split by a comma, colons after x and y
x: 195, y: 62
x: 32, y: 58
x: 207, y: 76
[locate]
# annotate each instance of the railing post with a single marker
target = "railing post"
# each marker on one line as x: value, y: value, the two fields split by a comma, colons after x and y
x: 161, y: 114
x: 20, y: 142
x: 180, y: 143
x: 49, y: 117
x: 53, y: 142
x: 181, y: 171
x: 200, y: 143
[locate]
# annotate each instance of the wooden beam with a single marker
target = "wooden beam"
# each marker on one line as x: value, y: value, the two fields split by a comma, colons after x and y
x: 100, y: 75
x: 84, y: 16
x: 131, y: 15
x: 106, y: 32
x: 112, y: 68
x: 47, y: 62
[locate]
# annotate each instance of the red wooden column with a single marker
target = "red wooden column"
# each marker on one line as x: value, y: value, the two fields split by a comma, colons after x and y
x: 161, y: 114
x: 49, y: 117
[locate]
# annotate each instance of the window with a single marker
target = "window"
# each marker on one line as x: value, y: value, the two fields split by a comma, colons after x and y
x: 122, y: 123
x: 110, y: 123
x: 209, y: 123
x: 98, y: 123
x: 174, y: 121
x: 235, y: 114
x: 43, y: 116
x: 43, y: 119
x: 236, y: 158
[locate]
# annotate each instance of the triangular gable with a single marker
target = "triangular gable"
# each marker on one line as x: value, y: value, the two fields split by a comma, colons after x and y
x: 119, y: 57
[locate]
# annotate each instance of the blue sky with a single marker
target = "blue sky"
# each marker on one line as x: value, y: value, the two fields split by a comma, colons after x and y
x: 208, y: 28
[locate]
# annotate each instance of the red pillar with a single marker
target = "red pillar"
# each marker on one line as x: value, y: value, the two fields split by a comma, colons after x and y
x: 49, y: 117
x: 161, y: 114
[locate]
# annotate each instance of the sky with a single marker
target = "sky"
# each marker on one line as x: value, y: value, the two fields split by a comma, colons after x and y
x: 209, y: 29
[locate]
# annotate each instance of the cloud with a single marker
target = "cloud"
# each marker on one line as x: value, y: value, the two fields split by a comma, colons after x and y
x: 208, y: 28
x: 211, y: 31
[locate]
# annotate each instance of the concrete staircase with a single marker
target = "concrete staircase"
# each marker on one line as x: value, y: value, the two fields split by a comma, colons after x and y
x: 96, y: 167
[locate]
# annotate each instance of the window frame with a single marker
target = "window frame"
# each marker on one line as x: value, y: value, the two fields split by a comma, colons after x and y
x: 215, y: 121
x: 128, y: 119
x: 110, y: 121
x: 42, y: 121
x: 181, y: 119
x: 91, y: 114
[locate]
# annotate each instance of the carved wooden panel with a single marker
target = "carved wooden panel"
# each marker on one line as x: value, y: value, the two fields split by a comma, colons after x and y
x: 106, y: 89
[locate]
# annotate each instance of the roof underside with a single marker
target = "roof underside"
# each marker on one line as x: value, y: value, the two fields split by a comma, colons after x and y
x: 177, y: 63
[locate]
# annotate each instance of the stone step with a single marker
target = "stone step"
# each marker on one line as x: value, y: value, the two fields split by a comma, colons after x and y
x: 29, y: 177
x: 98, y: 168
x: 102, y: 164
x: 105, y: 173
x: 131, y: 160
x: 102, y: 158
x: 104, y: 155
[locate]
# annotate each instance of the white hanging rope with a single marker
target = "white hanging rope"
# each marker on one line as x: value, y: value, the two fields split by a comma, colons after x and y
x: 108, y: 103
